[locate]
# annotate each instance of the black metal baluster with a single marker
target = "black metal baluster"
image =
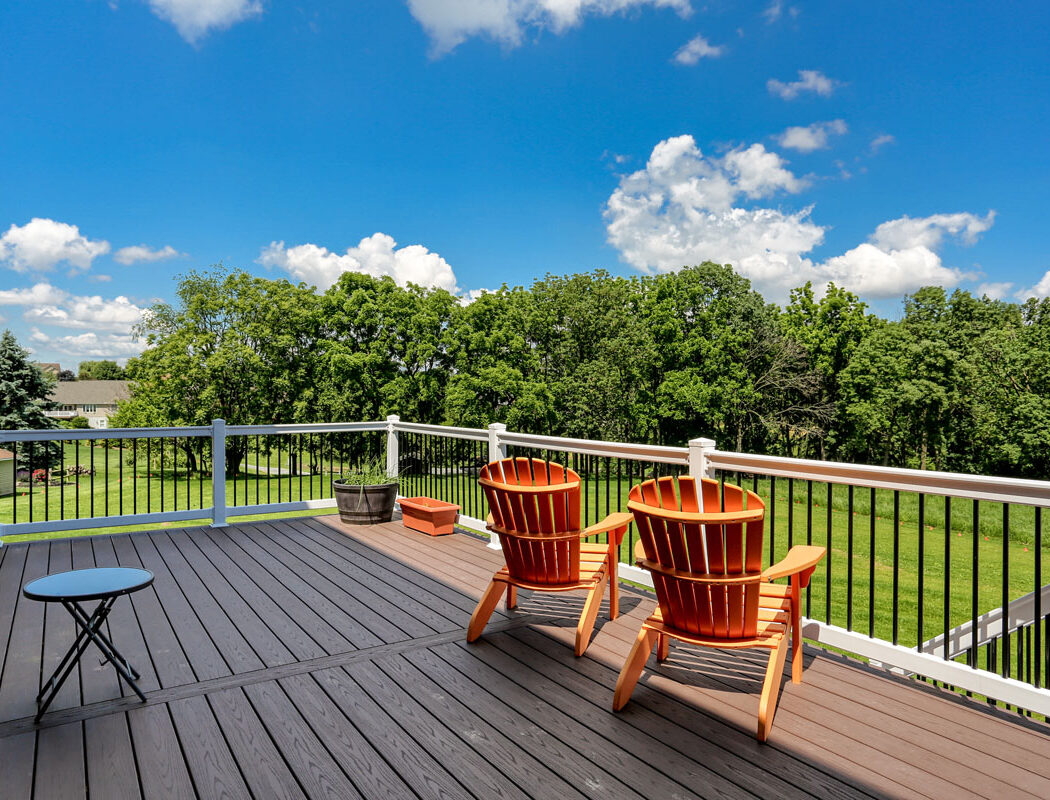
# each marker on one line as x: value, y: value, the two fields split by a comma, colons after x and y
x: 772, y: 516
x: 299, y: 462
x: 1006, y: 586
x: 791, y: 509
x: 849, y: 558
x: 14, y: 497
x: 30, y: 464
x: 922, y: 564
x: 1040, y: 662
x: 175, y: 473
x: 120, y: 477
x: 896, y: 559
x: 76, y: 492
x: 134, y: 479
x: 947, y: 571
x: 62, y: 481
x: 47, y: 478
x: 809, y: 540
x: 827, y: 560
x: 872, y: 502
x: 200, y: 473
x: 91, y: 466
x: 162, y: 477
x: 974, y: 583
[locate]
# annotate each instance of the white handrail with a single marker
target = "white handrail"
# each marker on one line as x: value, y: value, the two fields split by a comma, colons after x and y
x: 474, y: 434
x: 954, y: 484
x: 636, y: 452
x: 70, y: 434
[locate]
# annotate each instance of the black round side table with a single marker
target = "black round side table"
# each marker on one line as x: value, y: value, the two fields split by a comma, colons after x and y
x: 104, y: 584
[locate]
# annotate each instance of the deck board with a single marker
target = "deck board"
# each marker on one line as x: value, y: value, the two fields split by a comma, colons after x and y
x: 299, y: 658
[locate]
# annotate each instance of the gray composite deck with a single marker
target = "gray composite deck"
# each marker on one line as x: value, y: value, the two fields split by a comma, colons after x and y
x: 299, y: 658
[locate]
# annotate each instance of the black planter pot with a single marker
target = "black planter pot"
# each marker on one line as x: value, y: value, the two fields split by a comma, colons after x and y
x: 364, y: 505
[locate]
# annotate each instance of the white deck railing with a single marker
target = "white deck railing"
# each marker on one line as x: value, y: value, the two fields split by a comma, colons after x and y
x: 700, y: 457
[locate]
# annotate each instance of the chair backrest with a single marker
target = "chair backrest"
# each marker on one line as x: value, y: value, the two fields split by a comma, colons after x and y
x: 535, y: 508
x: 706, y: 565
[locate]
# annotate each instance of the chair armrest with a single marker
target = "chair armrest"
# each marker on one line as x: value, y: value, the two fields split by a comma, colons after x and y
x: 612, y: 523
x: 801, y: 560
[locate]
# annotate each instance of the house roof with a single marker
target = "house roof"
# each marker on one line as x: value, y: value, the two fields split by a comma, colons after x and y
x: 6, y: 454
x: 75, y: 393
x: 50, y: 367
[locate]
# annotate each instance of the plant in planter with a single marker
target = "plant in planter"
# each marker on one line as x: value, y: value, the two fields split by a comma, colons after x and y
x: 365, y: 495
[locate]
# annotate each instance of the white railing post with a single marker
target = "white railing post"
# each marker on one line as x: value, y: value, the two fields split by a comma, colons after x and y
x: 699, y: 465
x: 393, y: 457
x: 497, y: 452
x: 218, y: 473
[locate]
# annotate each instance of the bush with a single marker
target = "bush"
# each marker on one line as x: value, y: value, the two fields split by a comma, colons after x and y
x: 77, y: 422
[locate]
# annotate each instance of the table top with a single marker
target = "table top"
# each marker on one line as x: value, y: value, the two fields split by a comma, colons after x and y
x: 88, y: 584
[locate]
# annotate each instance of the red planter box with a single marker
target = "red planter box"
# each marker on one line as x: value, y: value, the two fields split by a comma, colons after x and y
x: 426, y: 515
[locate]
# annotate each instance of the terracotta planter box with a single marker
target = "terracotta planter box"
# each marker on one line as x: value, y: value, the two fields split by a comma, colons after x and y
x: 427, y: 515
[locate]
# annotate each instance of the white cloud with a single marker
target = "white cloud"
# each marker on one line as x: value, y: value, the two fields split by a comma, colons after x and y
x: 376, y: 255
x: 696, y: 48
x: 195, y: 18
x: 39, y: 294
x: 140, y: 252
x: 684, y: 208
x: 93, y: 313
x: 773, y: 11
x: 1039, y: 291
x: 811, y: 137
x: 90, y: 345
x: 995, y: 290
x: 881, y: 141
x: 41, y: 244
x: 809, y: 80
x: 451, y: 22
x: 908, y: 232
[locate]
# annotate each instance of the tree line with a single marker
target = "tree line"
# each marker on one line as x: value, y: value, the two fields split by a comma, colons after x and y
x: 957, y: 383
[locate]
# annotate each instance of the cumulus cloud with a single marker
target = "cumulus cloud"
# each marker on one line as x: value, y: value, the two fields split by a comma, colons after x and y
x: 696, y: 48
x: 195, y: 18
x: 448, y: 23
x: 811, y: 137
x: 995, y: 290
x: 1039, y: 291
x: 41, y: 244
x: 140, y: 252
x: 377, y: 255
x: 90, y: 345
x: 685, y: 207
x: 94, y: 313
x: 881, y: 141
x: 809, y: 80
x: 38, y: 294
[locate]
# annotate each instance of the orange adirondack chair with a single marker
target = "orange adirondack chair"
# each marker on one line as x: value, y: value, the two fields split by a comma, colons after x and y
x: 535, y: 509
x: 709, y: 581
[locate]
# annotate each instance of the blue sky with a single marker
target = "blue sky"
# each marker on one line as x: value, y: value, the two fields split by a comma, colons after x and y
x: 465, y: 144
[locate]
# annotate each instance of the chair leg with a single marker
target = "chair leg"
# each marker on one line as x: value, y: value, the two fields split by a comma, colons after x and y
x: 663, y: 646
x: 589, y: 615
x: 512, y: 596
x: 486, y: 606
x: 796, y: 631
x: 614, y: 581
x: 633, y: 666
x: 767, y: 704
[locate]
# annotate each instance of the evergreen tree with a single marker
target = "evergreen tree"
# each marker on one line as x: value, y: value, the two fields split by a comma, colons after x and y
x: 24, y: 391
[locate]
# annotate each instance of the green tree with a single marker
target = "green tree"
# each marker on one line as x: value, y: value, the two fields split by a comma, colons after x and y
x: 24, y: 392
x: 100, y: 371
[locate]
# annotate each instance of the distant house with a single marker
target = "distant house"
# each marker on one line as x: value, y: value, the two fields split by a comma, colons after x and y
x: 50, y: 368
x: 7, y: 473
x: 96, y: 400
